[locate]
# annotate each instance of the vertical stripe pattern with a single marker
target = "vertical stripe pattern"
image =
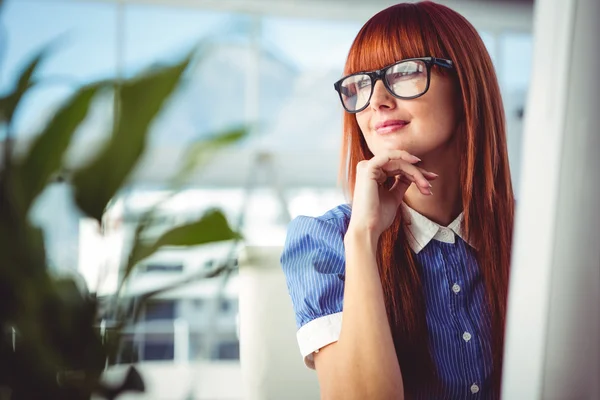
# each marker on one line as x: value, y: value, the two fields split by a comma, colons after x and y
x: 459, y: 324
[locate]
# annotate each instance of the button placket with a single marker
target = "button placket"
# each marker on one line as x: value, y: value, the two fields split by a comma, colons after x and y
x: 466, y: 336
x: 456, y: 288
x: 459, y: 287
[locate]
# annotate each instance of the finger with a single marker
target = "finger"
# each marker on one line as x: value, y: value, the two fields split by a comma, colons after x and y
x: 418, y: 179
x: 399, y: 188
x: 413, y: 172
x: 393, y: 164
x: 400, y: 180
x: 379, y: 176
x: 365, y: 169
x: 380, y: 160
x: 401, y: 184
x: 429, y: 175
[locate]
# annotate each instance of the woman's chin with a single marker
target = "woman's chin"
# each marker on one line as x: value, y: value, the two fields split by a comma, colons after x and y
x: 400, y: 146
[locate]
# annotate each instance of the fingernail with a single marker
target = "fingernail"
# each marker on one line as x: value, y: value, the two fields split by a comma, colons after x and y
x: 416, y: 158
x: 430, y: 192
x: 429, y: 184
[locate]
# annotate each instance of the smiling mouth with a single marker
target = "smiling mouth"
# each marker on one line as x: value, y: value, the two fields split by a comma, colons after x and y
x: 390, y: 127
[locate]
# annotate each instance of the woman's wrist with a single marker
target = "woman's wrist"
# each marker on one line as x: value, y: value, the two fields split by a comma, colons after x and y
x: 361, y: 237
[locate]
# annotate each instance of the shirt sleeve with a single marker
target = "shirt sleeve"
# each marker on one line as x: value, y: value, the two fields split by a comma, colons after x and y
x: 314, y: 266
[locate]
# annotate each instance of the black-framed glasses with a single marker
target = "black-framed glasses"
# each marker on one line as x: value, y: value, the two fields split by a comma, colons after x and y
x: 407, y: 79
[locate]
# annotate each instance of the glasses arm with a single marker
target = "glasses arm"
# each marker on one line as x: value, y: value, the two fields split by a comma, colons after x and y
x: 442, y: 62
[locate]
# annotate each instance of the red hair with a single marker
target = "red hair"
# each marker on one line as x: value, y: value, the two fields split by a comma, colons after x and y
x: 429, y: 29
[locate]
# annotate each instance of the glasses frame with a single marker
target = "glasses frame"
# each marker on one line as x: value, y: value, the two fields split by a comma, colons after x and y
x: 380, y: 75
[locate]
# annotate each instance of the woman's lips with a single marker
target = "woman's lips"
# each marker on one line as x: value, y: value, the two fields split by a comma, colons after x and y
x: 386, y: 127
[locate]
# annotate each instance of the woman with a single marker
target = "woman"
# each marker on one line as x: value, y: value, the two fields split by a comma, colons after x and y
x: 402, y: 293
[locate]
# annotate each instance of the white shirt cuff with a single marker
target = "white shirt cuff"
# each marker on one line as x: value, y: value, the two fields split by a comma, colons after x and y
x: 317, y: 334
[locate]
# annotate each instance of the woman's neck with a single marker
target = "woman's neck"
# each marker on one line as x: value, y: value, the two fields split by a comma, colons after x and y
x: 446, y: 202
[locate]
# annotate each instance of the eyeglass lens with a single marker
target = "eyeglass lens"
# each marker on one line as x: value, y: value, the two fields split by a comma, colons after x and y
x: 405, y: 79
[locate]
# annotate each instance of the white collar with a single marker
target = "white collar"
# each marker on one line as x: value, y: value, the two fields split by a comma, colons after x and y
x: 421, y: 230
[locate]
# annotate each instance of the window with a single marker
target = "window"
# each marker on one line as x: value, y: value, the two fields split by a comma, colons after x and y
x: 515, y: 67
x: 229, y: 350
x: 159, y: 33
x: 228, y: 306
x: 160, y: 310
x: 491, y: 44
x: 159, y: 351
x: 515, y: 75
x: 85, y: 51
x: 156, y: 267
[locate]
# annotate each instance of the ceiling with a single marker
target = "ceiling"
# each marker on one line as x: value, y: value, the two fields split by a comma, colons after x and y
x: 491, y: 15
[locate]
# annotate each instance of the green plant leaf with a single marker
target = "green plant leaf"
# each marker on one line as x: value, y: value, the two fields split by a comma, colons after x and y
x: 9, y: 103
x: 212, y: 227
x: 141, y: 98
x: 199, y: 153
x: 45, y: 156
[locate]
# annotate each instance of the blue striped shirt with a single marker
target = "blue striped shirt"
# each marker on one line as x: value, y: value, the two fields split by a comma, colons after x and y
x: 458, y: 321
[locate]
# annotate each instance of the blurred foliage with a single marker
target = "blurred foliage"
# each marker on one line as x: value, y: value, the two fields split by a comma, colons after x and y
x: 50, y: 346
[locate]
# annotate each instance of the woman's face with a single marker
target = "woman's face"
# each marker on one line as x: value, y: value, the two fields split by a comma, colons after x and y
x: 421, y: 126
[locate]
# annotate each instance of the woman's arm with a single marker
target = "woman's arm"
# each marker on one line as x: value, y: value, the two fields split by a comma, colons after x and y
x: 362, y: 364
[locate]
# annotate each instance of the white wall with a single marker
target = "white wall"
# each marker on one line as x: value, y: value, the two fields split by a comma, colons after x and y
x: 552, y: 345
x: 272, y: 367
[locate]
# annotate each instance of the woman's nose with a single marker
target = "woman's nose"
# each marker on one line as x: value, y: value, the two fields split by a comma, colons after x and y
x: 381, y: 98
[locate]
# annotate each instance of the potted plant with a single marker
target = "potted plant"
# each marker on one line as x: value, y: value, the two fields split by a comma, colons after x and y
x: 50, y: 345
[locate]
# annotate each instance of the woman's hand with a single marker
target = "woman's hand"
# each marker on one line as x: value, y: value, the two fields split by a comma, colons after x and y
x: 374, y: 206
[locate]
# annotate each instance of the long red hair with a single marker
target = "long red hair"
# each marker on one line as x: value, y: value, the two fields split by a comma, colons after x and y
x: 429, y: 29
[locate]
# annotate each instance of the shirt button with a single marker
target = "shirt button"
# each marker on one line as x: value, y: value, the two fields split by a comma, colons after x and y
x: 446, y: 234
x: 466, y: 336
x: 456, y: 288
x: 474, y: 388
